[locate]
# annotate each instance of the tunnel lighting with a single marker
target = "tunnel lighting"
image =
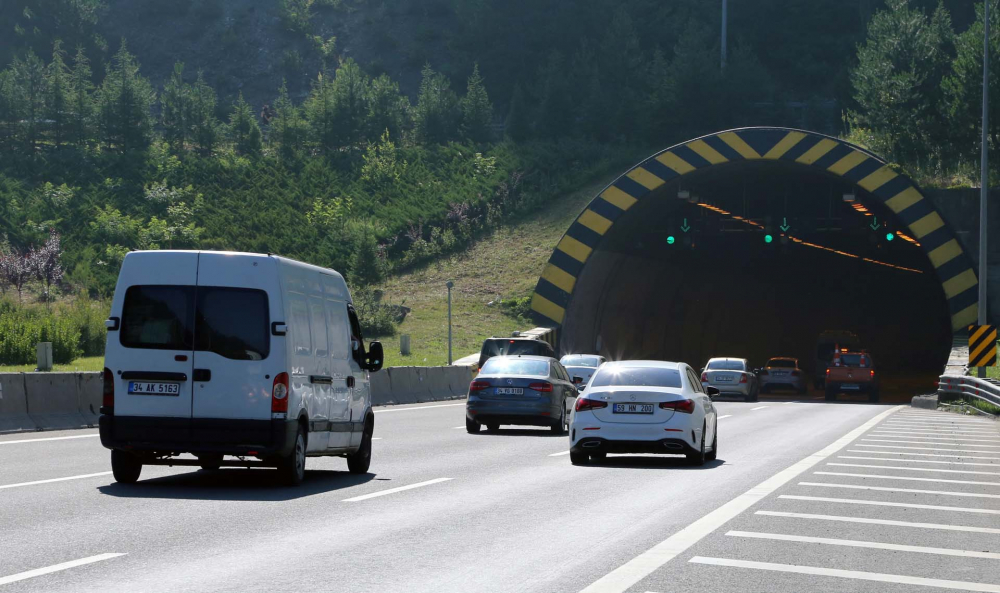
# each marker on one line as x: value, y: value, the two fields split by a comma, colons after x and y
x: 684, y: 194
x: 849, y: 197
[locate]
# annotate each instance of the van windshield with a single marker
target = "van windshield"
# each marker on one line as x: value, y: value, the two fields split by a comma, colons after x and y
x: 231, y: 322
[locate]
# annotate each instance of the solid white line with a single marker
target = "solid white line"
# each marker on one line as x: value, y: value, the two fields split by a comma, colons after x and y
x: 633, y: 571
x: 917, y: 460
x: 910, y: 490
x: 376, y: 438
x: 758, y: 408
x: 5, y: 486
x: 80, y: 436
x: 924, y: 442
x: 559, y: 453
x: 907, y: 479
x: 922, y: 449
x: 943, y: 439
x: 457, y: 427
x: 791, y: 402
x: 419, y: 408
x: 891, y: 522
x: 881, y: 503
x: 917, y: 454
x: 853, y: 543
x: 725, y: 416
x: 395, y: 490
x: 56, y: 568
x: 917, y: 469
x: 850, y: 574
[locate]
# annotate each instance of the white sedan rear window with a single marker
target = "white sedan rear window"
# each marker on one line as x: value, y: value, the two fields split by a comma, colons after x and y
x: 637, y: 377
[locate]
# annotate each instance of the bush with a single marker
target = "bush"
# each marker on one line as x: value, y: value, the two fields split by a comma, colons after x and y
x: 376, y: 317
x: 75, y: 330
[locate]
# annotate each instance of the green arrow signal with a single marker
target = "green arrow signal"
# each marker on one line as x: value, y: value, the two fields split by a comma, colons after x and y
x: 874, y: 225
x: 685, y: 227
x: 784, y: 224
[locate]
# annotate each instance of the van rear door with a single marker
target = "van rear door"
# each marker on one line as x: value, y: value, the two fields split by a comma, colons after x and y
x: 153, y: 350
x: 237, y: 298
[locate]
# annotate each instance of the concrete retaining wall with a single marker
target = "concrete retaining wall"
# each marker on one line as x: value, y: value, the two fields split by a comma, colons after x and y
x: 14, y: 404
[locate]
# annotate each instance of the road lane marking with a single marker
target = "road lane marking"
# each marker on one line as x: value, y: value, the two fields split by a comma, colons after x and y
x: 926, y: 443
x: 420, y: 408
x: 850, y: 574
x: 376, y: 438
x: 917, y: 460
x: 457, y: 427
x: 918, y: 454
x: 758, y: 408
x: 976, y: 432
x: 923, y: 449
x: 854, y: 543
x: 906, y: 478
x: 910, y: 490
x: 944, y: 440
x: 917, y: 469
x: 882, y: 503
x: 5, y: 486
x: 979, y: 425
x: 725, y: 416
x: 81, y: 436
x: 791, y: 402
x: 633, y: 571
x: 889, y: 522
x: 395, y: 490
x: 559, y: 453
x: 56, y: 568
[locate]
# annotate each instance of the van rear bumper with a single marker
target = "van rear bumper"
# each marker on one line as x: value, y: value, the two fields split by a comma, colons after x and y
x: 163, y: 435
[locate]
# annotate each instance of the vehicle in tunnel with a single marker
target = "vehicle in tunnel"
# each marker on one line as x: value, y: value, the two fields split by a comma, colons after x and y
x: 828, y: 343
x: 782, y: 373
x: 732, y: 377
x: 582, y: 366
x: 852, y: 372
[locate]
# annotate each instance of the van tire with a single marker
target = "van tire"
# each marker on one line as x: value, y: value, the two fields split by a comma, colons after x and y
x: 292, y: 467
x: 359, y: 461
x: 126, y: 467
x: 210, y: 462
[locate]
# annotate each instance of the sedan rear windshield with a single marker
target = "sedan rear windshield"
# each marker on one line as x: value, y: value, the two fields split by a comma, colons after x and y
x: 726, y: 365
x: 580, y: 361
x: 513, y: 366
x: 502, y: 347
x: 781, y: 363
x: 637, y: 377
x: 231, y: 322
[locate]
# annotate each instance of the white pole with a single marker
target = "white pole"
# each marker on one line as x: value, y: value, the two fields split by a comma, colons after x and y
x: 450, y: 284
x: 984, y: 171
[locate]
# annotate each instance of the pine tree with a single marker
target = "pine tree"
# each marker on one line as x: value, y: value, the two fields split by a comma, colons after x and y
x: 435, y: 118
x: 82, y: 100
x: 518, y: 124
x: 30, y: 75
x: 204, y: 124
x: 287, y: 128
x: 387, y: 109
x: 350, y: 100
x: 59, y: 94
x: 477, y: 111
x: 174, y: 109
x: 555, y: 105
x: 11, y: 109
x: 124, y: 100
x: 243, y: 129
x: 320, y: 113
x: 963, y: 88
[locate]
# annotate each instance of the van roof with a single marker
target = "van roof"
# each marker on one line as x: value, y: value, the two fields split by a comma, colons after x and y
x: 152, y: 253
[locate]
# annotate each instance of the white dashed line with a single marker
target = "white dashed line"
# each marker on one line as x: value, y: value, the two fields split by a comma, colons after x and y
x: 559, y: 453
x: 36, y: 482
x: 758, y: 408
x: 880, y: 503
x: 725, y: 416
x: 853, y: 543
x: 791, y: 402
x: 908, y: 490
x: 889, y: 522
x: 56, y: 568
x: 80, y: 436
x: 457, y: 427
x: 395, y: 490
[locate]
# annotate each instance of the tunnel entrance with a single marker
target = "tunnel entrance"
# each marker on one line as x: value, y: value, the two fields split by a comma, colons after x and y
x: 734, y: 245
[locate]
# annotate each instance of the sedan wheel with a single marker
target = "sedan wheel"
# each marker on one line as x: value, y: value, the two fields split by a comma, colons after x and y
x: 715, y: 445
x: 698, y: 458
x: 578, y: 457
x: 471, y: 426
x: 561, y: 427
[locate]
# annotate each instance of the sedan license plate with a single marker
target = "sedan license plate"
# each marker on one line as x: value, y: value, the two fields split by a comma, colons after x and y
x: 724, y: 378
x: 632, y: 409
x: 510, y: 391
x: 779, y: 373
x: 850, y: 387
x: 145, y: 388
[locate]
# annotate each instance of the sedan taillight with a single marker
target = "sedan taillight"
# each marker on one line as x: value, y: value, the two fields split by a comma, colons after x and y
x: 704, y: 377
x: 763, y: 371
x: 541, y: 386
x: 478, y: 386
x: 583, y: 404
x: 685, y: 406
x: 743, y: 378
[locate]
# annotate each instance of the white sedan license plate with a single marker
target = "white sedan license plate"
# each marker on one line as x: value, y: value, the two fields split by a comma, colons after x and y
x: 633, y: 409
x: 144, y: 388
x: 850, y: 387
x: 510, y: 391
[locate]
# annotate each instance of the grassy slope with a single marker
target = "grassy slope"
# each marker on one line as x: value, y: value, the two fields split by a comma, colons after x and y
x: 504, y: 265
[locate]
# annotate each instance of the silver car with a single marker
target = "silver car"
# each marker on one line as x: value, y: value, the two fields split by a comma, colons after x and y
x: 782, y: 373
x: 732, y: 377
x: 582, y: 366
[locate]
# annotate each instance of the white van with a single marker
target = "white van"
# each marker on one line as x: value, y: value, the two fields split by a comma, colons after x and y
x: 217, y: 353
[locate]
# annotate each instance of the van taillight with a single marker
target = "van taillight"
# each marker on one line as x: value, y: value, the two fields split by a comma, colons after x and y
x: 108, y: 396
x: 827, y: 372
x: 279, y: 393
x: 872, y: 372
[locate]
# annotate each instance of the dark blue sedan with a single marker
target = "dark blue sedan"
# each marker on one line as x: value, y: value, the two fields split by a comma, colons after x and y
x: 527, y: 390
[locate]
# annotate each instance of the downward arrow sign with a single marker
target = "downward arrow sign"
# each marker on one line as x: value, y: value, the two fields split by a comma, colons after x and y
x: 874, y: 225
x: 685, y: 227
x: 784, y: 224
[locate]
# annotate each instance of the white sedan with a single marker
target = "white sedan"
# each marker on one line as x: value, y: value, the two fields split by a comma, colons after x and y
x: 644, y: 406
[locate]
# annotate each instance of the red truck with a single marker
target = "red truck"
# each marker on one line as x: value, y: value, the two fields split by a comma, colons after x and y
x: 851, y: 372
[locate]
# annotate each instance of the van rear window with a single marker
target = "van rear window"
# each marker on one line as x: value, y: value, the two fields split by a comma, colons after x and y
x: 159, y: 317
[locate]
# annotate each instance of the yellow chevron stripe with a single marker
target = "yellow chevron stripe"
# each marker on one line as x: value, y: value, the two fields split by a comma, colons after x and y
x: 644, y: 178
x: 783, y: 146
x: 945, y: 253
x: 817, y: 152
x: 904, y: 199
x: 959, y: 284
x: 739, y: 145
x: 559, y: 277
x: 878, y: 178
x: 965, y: 317
x: 977, y: 354
x: 926, y: 225
x: 574, y: 248
x: 594, y: 222
x: 707, y: 152
x: 547, y: 308
x: 618, y: 197
x: 853, y: 159
x: 980, y: 330
x: 675, y: 162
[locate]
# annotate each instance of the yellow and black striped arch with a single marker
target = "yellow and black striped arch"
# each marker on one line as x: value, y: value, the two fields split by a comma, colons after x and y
x: 953, y: 267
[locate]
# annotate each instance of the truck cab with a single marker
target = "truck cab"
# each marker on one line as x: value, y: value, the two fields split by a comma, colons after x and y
x: 851, y: 372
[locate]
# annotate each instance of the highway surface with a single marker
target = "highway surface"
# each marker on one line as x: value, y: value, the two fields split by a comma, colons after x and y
x: 805, y: 496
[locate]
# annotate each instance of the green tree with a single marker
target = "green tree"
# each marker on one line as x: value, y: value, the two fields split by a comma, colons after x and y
x: 30, y: 74
x: 320, y: 113
x: 82, y: 99
x: 11, y: 109
x: 288, y: 129
x: 898, y: 80
x: 175, y: 106
x: 435, y: 118
x: 350, y: 101
x: 367, y: 266
x: 204, y: 124
x: 59, y: 94
x: 518, y: 123
x: 123, y: 104
x: 695, y: 104
x: 243, y: 129
x: 556, y: 103
x: 387, y: 108
x: 477, y: 111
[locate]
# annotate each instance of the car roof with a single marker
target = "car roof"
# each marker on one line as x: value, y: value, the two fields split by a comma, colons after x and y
x: 525, y: 357
x: 662, y: 364
x: 726, y: 358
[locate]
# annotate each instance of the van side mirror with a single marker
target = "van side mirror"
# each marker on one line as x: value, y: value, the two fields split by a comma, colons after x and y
x: 712, y: 392
x: 374, y: 358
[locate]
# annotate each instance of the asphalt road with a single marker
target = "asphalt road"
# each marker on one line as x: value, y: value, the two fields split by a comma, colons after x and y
x: 508, y: 512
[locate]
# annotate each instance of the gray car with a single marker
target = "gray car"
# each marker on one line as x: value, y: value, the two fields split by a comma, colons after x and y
x: 529, y: 390
x: 582, y: 366
x: 732, y: 377
x: 782, y: 373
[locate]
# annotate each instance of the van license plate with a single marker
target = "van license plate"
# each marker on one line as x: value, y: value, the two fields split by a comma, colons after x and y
x: 633, y: 409
x: 144, y: 388
x: 850, y: 387
x: 510, y: 391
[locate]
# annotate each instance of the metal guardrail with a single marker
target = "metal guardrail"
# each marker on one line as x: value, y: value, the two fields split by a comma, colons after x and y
x: 985, y: 389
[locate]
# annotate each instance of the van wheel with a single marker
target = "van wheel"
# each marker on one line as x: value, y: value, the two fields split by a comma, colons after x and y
x: 578, y: 457
x: 210, y: 462
x: 126, y: 467
x: 359, y: 461
x: 292, y: 467
x: 471, y: 426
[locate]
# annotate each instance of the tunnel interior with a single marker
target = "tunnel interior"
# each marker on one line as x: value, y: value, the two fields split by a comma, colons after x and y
x: 688, y: 273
